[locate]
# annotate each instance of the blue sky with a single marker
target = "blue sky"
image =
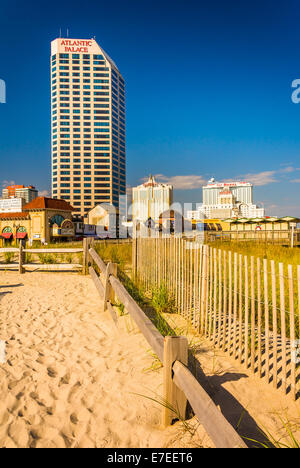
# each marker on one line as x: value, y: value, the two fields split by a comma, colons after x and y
x: 208, y: 90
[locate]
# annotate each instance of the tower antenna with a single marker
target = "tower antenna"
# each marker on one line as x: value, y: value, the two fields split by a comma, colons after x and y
x: 60, y: 32
x: 67, y: 32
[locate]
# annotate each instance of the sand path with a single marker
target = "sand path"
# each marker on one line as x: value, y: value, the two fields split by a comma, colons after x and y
x: 70, y: 374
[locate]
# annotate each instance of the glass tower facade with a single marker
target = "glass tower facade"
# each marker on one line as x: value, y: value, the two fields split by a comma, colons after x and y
x: 88, y: 125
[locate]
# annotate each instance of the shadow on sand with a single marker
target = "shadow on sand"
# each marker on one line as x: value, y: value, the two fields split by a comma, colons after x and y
x: 231, y: 408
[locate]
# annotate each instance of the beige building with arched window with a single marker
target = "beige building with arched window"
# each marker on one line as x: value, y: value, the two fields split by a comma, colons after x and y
x: 42, y: 220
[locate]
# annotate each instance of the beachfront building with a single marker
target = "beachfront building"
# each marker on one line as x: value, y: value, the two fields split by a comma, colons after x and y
x: 265, y: 229
x: 20, y: 191
x: 43, y: 220
x: 105, y: 219
x: 226, y: 200
x: 88, y: 125
x: 150, y: 200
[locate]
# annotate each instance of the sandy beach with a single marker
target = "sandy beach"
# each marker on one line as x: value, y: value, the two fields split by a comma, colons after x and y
x: 74, y: 379
x: 71, y: 376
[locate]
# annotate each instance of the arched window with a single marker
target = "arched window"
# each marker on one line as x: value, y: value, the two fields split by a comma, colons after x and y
x: 57, y: 219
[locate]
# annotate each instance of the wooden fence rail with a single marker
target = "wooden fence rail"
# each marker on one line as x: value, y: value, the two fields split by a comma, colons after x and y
x: 179, y: 383
x: 248, y: 307
x: 283, y: 237
x: 22, y: 265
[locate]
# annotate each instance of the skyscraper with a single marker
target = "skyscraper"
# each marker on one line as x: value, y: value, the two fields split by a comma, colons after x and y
x: 88, y: 125
x: 151, y: 199
x: 243, y: 191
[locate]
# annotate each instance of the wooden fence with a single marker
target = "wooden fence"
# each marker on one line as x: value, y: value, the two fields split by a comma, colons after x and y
x: 22, y: 266
x: 179, y: 384
x: 290, y: 238
x: 248, y: 307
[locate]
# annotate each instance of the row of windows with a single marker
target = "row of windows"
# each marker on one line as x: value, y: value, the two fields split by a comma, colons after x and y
x: 83, y: 76
x: 77, y: 56
x: 98, y: 139
x: 84, y: 166
x: 85, y: 135
x: 96, y: 124
x: 78, y: 124
x: 86, y: 155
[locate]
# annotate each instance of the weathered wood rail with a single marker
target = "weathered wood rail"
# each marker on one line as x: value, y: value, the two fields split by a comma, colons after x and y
x: 179, y: 384
x: 22, y: 266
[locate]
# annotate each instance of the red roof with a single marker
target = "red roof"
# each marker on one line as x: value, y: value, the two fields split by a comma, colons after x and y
x: 41, y: 203
x: 21, y: 215
x: 13, y: 187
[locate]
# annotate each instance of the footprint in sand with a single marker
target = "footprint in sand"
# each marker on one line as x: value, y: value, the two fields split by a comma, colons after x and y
x: 65, y: 380
x: 52, y: 372
x: 74, y: 419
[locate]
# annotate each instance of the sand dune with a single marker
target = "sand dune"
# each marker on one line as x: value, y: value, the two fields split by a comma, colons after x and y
x: 71, y: 377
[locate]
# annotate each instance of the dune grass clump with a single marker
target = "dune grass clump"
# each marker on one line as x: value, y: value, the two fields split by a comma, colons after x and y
x: 9, y: 257
x: 47, y: 259
x: 162, y: 301
x: 121, y: 254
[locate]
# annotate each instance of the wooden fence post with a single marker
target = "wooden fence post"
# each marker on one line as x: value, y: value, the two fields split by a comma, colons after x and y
x: 109, y: 295
x: 21, y: 258
x: 85, y: 256
x: 175, y: 349
x: 135, y: 257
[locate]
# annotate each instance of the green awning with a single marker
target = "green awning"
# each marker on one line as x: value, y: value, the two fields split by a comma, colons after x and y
x: 289, y: 219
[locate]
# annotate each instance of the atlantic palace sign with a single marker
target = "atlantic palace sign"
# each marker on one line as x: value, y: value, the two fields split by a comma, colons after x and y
x: 76, y: 46
x: 71, y: 45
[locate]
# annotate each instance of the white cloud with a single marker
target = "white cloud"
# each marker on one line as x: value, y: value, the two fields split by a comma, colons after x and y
x: 188, y: 182
x: 261, y: 178
x: 192, y: 182
x: 7, y: 183
x: 288, y: 169
x: 44, y: 193
x: 269, y: 177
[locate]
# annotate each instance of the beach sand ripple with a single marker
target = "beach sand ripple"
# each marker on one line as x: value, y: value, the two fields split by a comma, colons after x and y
x: 71, y: 376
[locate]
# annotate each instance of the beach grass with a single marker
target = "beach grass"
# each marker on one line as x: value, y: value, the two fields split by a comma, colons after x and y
x: 278, y: 253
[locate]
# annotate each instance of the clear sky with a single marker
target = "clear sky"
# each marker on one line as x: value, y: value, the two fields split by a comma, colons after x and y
x: 208, y: 90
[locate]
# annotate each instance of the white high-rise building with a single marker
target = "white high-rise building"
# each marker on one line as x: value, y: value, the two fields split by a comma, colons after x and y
x: 227, y: 200
x: 150, y: 200
x: 88, y: 125
x: 242, y: 191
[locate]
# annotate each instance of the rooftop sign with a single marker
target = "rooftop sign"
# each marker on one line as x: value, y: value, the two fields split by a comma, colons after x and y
x: 229, y: 184
x: 71, y: 45
x: 76, y: 46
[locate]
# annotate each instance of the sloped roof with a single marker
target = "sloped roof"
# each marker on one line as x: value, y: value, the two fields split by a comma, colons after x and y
x: 41, y: 203
x: 111, y: 61
x: 21, y: 215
